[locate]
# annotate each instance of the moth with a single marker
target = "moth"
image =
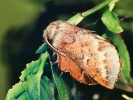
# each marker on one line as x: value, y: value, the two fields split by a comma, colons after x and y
x: 90, y: 58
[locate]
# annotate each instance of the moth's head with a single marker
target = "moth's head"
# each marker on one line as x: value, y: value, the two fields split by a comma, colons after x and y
x: 51, y: 30
x: 50, y: 33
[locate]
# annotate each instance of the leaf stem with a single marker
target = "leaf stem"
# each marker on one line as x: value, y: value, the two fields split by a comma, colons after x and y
x: 76, y: 19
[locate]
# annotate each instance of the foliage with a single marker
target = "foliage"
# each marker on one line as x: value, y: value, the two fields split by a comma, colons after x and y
x: 111, y: 21
x: 61, y: 87
x: 34, y: 84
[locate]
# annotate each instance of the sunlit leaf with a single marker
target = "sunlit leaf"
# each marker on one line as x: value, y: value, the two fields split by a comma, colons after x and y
x: 125, y: 81
x: 111, y: 21
x: 112, y: 4
x: 30, y: 90
x: 17, y: 89
x: 30, y: 69
x: 34, y: 86
x: 127, y: 97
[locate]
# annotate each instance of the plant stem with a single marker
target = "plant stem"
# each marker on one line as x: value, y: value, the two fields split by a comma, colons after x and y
x: 76, y: 19
x: 98, y: 7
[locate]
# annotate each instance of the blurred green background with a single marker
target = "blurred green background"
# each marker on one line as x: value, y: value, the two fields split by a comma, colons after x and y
x: 21, y: 26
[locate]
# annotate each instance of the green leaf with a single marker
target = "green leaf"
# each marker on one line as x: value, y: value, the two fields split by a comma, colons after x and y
x: 47, y: 87
x: 35, y: 86
x: 111, y: 21
x: 61, y: 87
x: 30, y: 91
x: 17, y: 89
x: 30, y: 69
x: 32, y: 88
x: 42, y: 48
x: 125, y: 82
x: 23, y: 97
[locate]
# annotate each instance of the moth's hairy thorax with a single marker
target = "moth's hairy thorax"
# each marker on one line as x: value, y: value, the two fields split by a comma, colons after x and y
x: 94, y: 55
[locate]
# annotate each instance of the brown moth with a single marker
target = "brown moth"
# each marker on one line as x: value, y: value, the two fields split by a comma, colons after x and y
x: 88, y: 57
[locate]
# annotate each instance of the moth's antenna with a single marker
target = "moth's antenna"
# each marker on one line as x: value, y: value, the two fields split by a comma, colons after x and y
x: 46, y: 40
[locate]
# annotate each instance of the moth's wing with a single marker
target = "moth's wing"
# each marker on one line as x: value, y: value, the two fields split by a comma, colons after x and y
x: 96, y: 56
x: 104, y: 63
x: 67, y: 65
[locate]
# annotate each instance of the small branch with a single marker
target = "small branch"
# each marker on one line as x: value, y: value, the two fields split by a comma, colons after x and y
x: 98, y: 7
x: 76, y: 19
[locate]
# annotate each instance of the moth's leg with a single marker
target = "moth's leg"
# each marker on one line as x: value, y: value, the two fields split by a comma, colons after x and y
x: 91, y: 24
x: 52, y: 57
x: 82, y: 76
x: 54, y: 54
x: 55, y: 62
